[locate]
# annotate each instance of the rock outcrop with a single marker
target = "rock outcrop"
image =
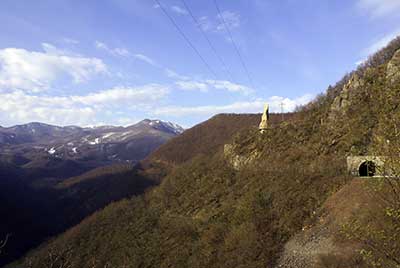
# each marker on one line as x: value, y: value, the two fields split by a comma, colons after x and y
x: 343, y: 101
x: 393, y: 68
x: 237, y: 160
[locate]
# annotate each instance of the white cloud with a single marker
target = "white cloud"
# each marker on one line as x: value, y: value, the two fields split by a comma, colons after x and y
x: 231, y: 19
x: 229, y: 86
x: 192, y: 85
x: 179, y: 10
x: 255, y: 106
x: 217, y: 25
x: 133, y: 97
x: 146, y: 59
x: 127, y: 121
x: 19, y: 107
x: 52, y: 50
x: 38, y: 71
x: 205, y: 23
x: 172, y: 74
x: 207, y: 85
x: 381, y: 42
x: 379, y: 8
x: 122, y: 52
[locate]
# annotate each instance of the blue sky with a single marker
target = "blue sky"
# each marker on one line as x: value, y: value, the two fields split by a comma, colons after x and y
x: 119, y: 61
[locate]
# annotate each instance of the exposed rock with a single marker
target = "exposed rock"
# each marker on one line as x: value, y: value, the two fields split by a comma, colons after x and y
x: 304, y: 249
x: 238, y: 161
x: 343, y: 101
x: 393, y: 68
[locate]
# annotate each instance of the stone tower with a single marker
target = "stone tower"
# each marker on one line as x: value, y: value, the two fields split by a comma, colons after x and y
x: 264, y: 119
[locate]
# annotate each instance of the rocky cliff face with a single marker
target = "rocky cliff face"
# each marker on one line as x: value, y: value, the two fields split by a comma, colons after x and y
x: 343, y: 101
x: 356, y: 82
x: 393, y: 68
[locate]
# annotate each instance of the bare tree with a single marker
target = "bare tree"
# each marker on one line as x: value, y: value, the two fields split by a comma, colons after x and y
x: 3, y: 243
x: 54, y: 258
x: 380, y: 236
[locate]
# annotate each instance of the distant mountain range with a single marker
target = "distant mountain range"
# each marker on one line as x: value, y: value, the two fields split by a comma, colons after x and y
x: 30, y: 145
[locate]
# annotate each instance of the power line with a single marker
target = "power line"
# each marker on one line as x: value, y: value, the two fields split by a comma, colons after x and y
x: 186, y: 39
x: 234, y: 44
x: 208, y: 40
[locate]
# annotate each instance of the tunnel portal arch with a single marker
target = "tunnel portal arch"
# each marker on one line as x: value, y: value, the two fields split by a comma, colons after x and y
x: 366, y: 166
x: 367, y: 169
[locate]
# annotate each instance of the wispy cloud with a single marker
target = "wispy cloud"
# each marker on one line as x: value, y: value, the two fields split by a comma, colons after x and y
x: 217, y: 24
x: 118, y: 51
x: 379, y: 8
x: 231, y: 19
x: 70, y: 41
x: 207, y: 85
x: 123, y: 52
x: 172, y: 74
x: 146, y: 59
x: 229, y: 86
x: 179, y: 10
x: 256, y: 106
x: 37, y: 71
x: 381, y: 42
x: 205, y: 23
x: 192, y: 85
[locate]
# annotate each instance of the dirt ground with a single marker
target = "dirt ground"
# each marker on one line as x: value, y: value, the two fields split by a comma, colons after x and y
x: 319, y: 245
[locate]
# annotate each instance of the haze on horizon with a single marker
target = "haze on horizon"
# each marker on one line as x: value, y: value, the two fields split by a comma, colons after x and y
x: 120, y: 61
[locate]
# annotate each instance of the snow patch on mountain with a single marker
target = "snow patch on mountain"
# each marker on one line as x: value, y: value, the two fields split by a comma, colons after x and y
x: 96, y: 141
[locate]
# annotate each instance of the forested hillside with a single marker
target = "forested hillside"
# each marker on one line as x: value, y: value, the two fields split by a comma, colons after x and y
x: 242, y: 207
x: 73, y: 198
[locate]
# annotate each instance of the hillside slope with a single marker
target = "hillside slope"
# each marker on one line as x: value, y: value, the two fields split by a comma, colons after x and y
x: 34, y: 213
x: 204, y: 139
x: 78, y: 196
x: 319, y: 244
x: 243, y: 207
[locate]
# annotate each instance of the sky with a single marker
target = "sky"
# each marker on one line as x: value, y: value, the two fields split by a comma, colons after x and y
x: 116, y: 62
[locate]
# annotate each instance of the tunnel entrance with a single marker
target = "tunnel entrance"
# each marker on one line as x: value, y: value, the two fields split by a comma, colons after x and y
x: 367, y: 169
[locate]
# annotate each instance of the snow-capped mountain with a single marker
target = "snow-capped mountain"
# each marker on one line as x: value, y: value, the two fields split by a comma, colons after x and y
x: 162, y: 125
x: 103, y: 144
